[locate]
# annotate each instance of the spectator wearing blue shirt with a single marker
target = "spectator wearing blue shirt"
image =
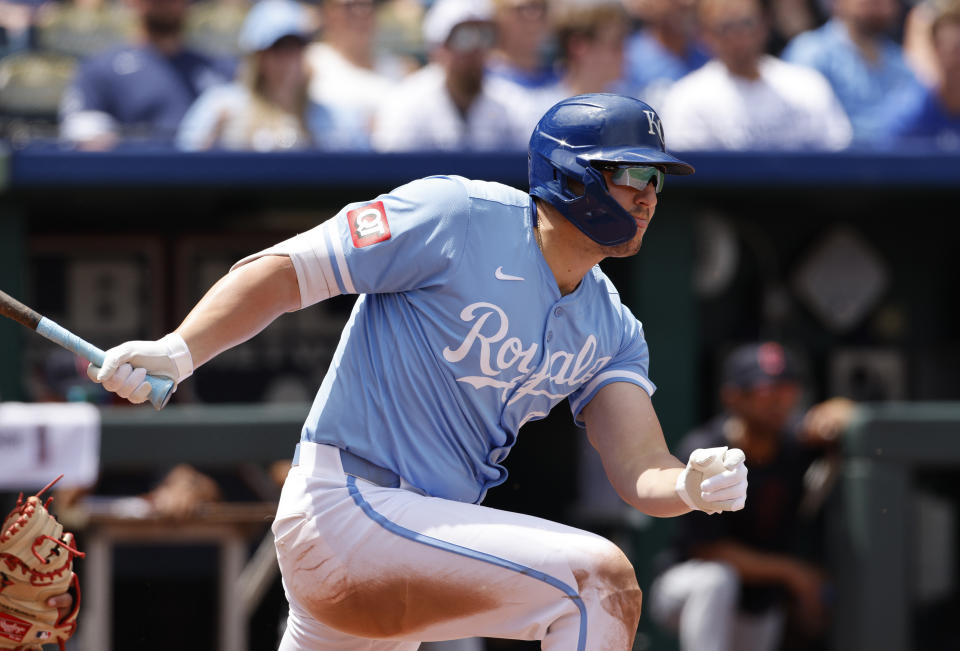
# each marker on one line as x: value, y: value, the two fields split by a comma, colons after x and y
x: 139, y: 91
x: 865, y: 66
x: 934, y: 119
x: 268, y: 107
x: 664, y: 49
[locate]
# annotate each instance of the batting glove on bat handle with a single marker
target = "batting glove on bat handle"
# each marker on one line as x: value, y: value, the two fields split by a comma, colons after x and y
x: 714, y: 480
x: 125, y: 367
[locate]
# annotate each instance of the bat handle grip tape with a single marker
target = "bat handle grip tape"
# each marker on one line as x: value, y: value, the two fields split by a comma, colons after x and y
x: 161, y: 388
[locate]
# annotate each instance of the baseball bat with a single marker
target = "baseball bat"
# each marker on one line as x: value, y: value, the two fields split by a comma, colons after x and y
x: 161, y: 388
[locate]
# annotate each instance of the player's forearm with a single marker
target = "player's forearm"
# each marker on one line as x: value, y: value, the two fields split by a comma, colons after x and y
x: 648, y: 483
x: 623, y: 427
x: 240, y: 305
x: 654, y: 489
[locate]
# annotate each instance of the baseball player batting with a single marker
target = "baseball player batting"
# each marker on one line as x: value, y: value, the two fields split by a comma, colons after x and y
x: 480, y: 308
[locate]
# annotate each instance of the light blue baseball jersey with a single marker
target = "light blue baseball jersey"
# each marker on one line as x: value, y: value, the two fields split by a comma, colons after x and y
x: 460, y: 335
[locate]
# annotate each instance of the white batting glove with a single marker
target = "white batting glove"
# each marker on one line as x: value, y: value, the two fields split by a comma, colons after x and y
x: 125, y: 366
x: 714, y: 480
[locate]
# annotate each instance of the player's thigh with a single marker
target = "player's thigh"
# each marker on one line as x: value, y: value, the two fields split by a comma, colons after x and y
x: 305, y: 633
x: 392, y: 564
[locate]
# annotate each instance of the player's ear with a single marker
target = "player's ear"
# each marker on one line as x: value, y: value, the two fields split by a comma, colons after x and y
x: 575, y: 186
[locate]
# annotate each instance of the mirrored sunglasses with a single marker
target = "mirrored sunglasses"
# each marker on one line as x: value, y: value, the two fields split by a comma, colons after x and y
x: 639, y: 176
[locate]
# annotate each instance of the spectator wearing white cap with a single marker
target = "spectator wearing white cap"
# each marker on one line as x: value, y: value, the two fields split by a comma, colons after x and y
x: 447, y: 105
x: 267, y: 108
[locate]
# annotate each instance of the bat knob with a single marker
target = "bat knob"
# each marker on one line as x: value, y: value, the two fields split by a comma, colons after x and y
x: 161, y: 389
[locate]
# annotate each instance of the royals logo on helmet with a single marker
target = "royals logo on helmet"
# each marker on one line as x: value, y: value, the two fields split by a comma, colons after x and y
x: 656, y: 126
x: 368, y: 224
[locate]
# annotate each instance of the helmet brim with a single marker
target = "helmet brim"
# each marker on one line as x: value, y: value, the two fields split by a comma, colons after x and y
x: 632, y: 155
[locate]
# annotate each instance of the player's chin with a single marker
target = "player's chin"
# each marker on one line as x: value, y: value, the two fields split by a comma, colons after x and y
x: 630, y: 247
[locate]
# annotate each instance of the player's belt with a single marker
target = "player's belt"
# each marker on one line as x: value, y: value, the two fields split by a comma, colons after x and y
x: 361, y: 468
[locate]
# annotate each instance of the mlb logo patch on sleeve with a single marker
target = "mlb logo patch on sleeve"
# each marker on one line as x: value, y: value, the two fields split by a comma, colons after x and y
x: 368, y: 225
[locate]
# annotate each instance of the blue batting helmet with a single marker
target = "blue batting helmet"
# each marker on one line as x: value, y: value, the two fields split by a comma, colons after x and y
x: 575, y: 136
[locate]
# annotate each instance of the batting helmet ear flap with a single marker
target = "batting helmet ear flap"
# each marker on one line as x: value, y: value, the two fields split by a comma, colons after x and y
x: 573, y: 186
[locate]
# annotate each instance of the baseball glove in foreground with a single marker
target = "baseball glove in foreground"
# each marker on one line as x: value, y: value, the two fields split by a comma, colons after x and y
x: 36, y: 563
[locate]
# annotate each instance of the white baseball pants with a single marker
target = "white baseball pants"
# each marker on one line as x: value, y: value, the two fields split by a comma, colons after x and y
x: 381, y: 569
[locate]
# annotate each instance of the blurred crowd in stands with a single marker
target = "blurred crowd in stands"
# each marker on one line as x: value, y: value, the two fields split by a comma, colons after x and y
x: 475, y: 75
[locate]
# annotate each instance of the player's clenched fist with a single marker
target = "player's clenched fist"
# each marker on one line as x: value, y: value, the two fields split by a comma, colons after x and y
x: 125, y: 367
x: 714, y: 480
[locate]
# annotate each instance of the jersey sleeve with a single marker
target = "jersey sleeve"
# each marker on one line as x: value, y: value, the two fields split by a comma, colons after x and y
x: 408, y: 239
x: 630, y: 364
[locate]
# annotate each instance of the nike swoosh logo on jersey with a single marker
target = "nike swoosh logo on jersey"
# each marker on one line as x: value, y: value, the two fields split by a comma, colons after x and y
x: 499, y: 275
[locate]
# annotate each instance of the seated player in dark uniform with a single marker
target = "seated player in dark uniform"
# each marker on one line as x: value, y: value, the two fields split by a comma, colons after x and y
x: 733, y: 582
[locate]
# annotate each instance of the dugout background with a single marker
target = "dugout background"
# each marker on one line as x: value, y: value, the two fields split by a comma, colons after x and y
x: 849, y: 257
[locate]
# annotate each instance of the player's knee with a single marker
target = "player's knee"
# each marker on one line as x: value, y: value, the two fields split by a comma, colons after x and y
x: 625, y: 599
x: 612, y: 579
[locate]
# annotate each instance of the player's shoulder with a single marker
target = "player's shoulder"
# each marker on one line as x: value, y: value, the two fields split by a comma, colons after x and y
x: 495, y: 192
x: 603, y: 284
x: 606, y: 304
x: 432, y: 189
x: 455, y: 200
x: 604, y: 296
x: 453, y: 188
